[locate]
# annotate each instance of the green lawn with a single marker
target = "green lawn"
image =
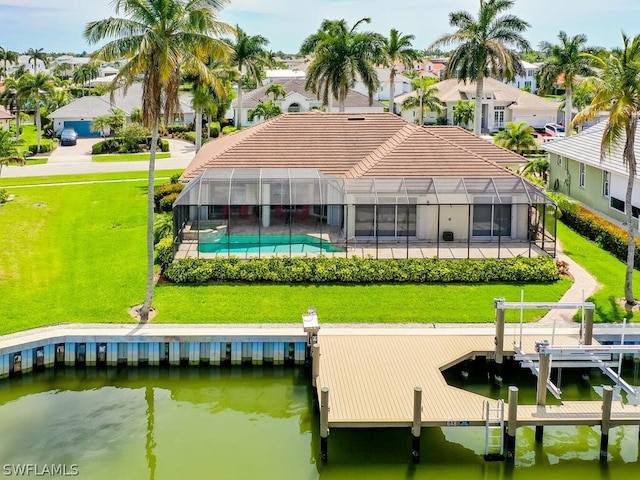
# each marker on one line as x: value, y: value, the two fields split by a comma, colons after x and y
x: 27, y: 137
x: 76, y: 253
x: 128, y: 157
x: 89, y: 177
x: 608, y: 270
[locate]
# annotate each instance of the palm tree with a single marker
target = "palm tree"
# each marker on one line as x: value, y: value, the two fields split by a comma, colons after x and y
x: 276, y: 90
x: 36, y: 89
x: 248, y: 56
x: 265, y: 110
x: 565, y: 59
x: 7, y: 56
x: 85, y: 73
x: 517, y: 137
x: 35, y: 55
x: 483, y: 47
x: 158, y: 38
x: 136, y: 115
x: 426, y: 98
x: 100, y: 124
x: 397, y: 49
x: 340, y: 56
x: 14, y: 99
x: 8, y: 151
x: 464, y: 112
x: 618, y: 91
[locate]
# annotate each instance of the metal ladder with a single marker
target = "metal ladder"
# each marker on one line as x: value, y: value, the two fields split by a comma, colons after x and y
x: 494, y: 430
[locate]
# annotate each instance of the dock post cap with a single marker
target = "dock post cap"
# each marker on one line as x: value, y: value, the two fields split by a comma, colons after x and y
x: 310, y: 321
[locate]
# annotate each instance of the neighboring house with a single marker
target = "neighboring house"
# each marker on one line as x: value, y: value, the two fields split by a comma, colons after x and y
x: 501, y: 103
x: 371, y: 180
x: 5, y: 117
x: 529, y: 79
x: 298, y: 99
x: 79, y: 113
x: 282, y: 75
x: 577, y: 170
x: 24, y: 60
x: 401, y: 84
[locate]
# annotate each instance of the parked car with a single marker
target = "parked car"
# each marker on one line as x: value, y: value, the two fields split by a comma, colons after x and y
x: 554, y: 129
x: 68, y: 136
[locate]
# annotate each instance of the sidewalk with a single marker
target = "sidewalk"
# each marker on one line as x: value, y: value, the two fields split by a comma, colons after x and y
x: 584, y: 285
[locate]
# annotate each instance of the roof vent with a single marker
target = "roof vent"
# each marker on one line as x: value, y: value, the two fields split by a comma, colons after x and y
x: 355, y: 118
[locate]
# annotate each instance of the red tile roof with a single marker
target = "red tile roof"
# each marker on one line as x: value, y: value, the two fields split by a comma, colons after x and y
x: 353, y: 145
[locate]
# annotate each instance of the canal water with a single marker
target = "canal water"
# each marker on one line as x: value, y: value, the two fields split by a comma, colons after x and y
x: 254, y: 423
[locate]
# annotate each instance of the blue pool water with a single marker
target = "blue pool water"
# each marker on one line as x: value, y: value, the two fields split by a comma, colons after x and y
x: 268, y: 244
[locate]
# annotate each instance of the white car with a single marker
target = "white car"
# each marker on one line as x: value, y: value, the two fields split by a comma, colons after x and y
x: 554, y: 130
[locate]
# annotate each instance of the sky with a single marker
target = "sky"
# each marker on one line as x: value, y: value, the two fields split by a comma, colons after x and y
x: 57, y: 25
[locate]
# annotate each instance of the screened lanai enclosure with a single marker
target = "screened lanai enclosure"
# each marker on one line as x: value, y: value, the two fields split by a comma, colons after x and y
x: 300, y: 211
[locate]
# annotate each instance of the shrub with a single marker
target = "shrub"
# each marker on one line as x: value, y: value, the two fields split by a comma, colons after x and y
x: 166, y: 202
x: 229, y: 129
x: 4, y: 195
x: 164, y: 190
x: 45, y: 146
x: 189, y: 137
x: 607, y: 235
x: 131, y: 136
x: 361, y: 270
x: 214, y: 129
x: 164, y: 251
x: 175, y: 178
x: 97, y: 148
x: 164, y: 145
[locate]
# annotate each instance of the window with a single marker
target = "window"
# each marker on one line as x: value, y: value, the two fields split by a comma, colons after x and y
x: 583, y: 175
x: 491, y: 220
x: 617, y: 204
x: 498, y: 116
x: 605, y: 183
x: 559, y: 160
x: 527, y: 83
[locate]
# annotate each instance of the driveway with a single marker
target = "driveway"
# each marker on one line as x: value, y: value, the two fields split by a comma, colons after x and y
x: 78, y: 153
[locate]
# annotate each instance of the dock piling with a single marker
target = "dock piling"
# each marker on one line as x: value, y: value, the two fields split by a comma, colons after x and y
x: 607, y: 397
x: 543, y: 377
x: 499, y: 336
x: 324, y: 423
x: 588, y: 327
x: 315, y: 363
x: 417, y: 424
x: 512, y: 424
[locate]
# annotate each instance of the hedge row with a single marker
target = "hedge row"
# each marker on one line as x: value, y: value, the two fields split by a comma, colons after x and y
x: 162, y: 192
x: 607, y: 235
x: 45, y: 146
x: 115, y: 144
x: 354, y: 270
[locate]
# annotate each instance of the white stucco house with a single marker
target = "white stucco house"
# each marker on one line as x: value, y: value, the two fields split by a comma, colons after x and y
x: 529, y: 78
x: 401, y: 84
x: 298, y: 99
x: 5, y: 117
x: 501, y: 103
x: 79, y: 113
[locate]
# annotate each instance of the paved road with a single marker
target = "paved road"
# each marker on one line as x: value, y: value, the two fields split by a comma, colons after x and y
x: 77, y: 159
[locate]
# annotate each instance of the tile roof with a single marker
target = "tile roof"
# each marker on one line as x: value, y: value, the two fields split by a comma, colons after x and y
x: 585, y: 147
x: 252, y: 98
x: 353, y: 145
x: 452, y: 90
x: 5, y: 114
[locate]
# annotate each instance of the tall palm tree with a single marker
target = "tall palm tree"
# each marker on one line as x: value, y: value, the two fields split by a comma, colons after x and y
x: 85, y: 73
x: 14, y: 99
x: 426, y: 98
x: 249, y: 56
x: 397, y: 49
x: 36, y: 54
x: 464, y: 112
x: 517, y: 137
x: 618, y: 91
x: 36, y: 89
x: 265, y: 110
x: 158, y: 38
x: 340, y: 56
x: 565, y: 59
x: 7, y: 56
x: 485, y: 47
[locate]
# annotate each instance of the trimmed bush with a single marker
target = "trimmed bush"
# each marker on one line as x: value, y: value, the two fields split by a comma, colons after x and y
x: 164, y: 145
x: 166, y: 202
x: 361, y: 270
x: 4, y: 195
x: 45, y: 146
x: 214, y: 129
x: 164, y: 190
x: 229, y: 129
x: 189, y: 136
x: 96, y: 148
x: 164, y: 251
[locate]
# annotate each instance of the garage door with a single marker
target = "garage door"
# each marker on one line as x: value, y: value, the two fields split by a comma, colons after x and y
x: 83, y: 127
x: 537, y: 121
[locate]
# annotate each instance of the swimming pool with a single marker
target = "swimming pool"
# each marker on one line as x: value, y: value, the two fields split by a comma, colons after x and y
x: 268, y: 244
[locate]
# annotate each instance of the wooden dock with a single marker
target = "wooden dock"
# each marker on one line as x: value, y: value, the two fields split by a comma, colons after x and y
x: 371, y: 380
